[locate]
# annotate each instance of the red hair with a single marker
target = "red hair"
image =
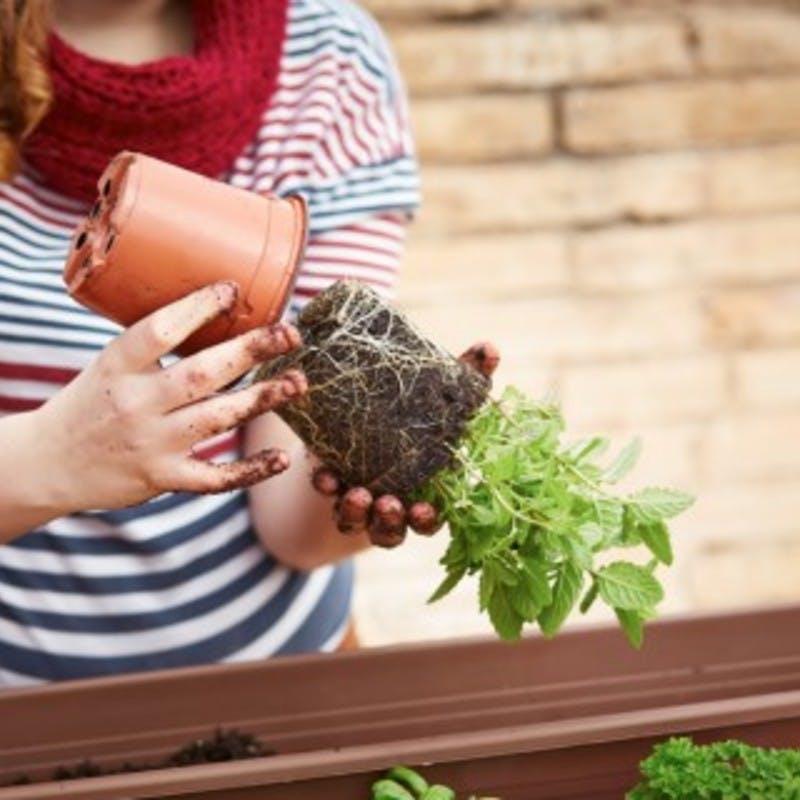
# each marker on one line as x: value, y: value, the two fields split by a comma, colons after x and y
x: 25, y: 89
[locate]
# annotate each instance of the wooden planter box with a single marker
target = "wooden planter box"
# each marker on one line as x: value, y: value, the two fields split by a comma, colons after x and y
x: 569, y: 718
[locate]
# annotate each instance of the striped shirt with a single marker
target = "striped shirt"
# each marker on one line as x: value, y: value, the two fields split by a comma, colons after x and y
x: 183, y: 580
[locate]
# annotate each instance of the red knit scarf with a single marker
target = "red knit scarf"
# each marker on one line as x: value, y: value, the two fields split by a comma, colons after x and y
x: 198, y: 111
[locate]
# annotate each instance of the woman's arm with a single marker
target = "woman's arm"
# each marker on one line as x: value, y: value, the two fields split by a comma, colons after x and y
x: 123, y: 430
x: 29, y: 493
x: 295, y: 522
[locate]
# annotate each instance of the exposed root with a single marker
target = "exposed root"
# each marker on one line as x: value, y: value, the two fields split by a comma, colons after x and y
x: 385, y: 405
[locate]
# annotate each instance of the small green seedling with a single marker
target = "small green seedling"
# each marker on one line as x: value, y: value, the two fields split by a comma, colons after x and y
x: 681, y: 770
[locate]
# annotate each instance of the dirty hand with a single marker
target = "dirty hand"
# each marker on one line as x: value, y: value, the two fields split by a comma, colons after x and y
x: 386, y: 518
x: 123, y: 430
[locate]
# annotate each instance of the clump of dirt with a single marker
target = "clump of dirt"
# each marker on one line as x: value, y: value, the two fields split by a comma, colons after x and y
x: 385, y: 405
x: 223, y: 746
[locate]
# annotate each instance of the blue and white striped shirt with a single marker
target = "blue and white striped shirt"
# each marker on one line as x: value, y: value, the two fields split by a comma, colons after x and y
x: 183, y: 579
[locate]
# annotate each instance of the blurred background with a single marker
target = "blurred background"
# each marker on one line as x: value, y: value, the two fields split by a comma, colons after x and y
x: 612, y: 195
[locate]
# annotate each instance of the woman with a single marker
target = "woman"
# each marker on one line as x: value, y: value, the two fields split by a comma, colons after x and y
x: 187, y: 565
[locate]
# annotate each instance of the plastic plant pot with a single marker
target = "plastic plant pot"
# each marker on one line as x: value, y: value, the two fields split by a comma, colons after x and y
x: 566, y: 719
x: 158, y: 232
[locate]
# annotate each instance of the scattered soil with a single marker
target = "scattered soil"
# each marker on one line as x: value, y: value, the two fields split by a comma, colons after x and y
x: 223, y: 746
x: 385, y: 405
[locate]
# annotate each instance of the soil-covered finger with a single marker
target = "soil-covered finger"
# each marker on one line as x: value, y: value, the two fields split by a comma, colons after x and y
x: 162, y: 331
x: 352, y: 511
x: 325, y: 481
x: 387, y: 526
x: 483, y: 357
x: 386, y: 405
x: 200, y: 375
x: 204, y: 477
x: 192, y: 424
x: 424, y: 518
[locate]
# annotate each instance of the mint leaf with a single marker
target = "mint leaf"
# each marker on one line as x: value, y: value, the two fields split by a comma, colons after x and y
x: 656, y: 536
x: 534, y: 582
x: 566, y: 589
x: 529, y: 516
x: 579, y: 553
x: 628, y: 586
x: 452, y: 579
x: 655, y: 504
x: 632, y: 625
x: 507, y: 621
x: 624, y: 462
x: 592, y: 534
x: 486, y: 587
x: 589, y: 598
x: 525, y: 604
x: 609, y: 514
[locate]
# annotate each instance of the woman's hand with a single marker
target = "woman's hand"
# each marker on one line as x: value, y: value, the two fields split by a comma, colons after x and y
x: 385, y: 518
x: 123, y: 431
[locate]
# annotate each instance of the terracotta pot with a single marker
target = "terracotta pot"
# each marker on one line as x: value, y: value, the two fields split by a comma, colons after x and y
x: 563, y: 720
x: 158, y: 232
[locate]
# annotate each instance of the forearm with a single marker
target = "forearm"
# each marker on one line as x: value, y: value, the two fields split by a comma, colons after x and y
x: 27, y: 495
x: 294, y: 521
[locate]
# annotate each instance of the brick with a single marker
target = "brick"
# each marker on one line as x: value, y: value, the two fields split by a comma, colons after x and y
x: 482, y: 128
x: 767, y: 178
x: 669, y: 455
x: 518, y: 197
x: 748, y: 38
x: 388, y: 9
x: 755, y: 317
x: 767, y: 379
x: 535, y: 54
x: 652, y: 390
x: 483, y: 268
x: 669, y: 450
x: 701, y: 113
x: 732, y: 577
x: 535, y: 376
x: 756, y: 511
x: 740, y: 448
x: 392, y: 588
x: 648, y: 258
x: 593, y: 6
x: 572, y: 327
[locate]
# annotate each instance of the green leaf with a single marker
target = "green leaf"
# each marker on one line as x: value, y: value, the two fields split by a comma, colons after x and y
x: 579, y: 553
x: 609, y: 515
x: 566, y: 589
x: 656, y: 536
x: 503, y: 568
x: 506, y: 619
x: 628, y: 586
x: 592, y: 534
x: 630, y: 527
x: 486, y: 586
x: 581, y: 451
x: 485, y: 517
x: 624, y: 462
x: 452, y: 579
x: 535, y: 582
x: 589, y: 598
x: 654, y: 504
x: 525, y: 603
x: 632, y: 625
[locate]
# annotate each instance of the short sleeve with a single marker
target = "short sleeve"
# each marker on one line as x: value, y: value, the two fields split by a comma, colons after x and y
x: 363, y: 163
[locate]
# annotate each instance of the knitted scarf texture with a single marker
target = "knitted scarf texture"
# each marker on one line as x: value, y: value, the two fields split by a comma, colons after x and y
x: 198, y: 111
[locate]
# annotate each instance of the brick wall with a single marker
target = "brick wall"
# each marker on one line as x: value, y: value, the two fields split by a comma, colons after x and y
x: 612, y: 194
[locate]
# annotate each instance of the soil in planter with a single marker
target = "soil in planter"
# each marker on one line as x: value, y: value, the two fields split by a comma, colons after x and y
x: 223, y: 746
x: 385, y: 405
